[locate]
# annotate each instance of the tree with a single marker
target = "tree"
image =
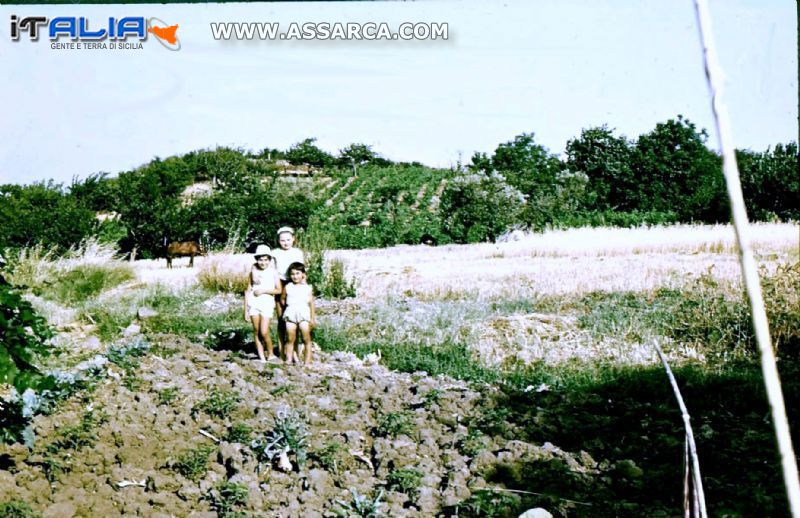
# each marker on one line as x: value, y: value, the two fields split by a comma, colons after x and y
x: 675, y: 171
x: 771, y: 182
x: 306, y: 152
x: 526, y: 165
x: 479, y: 207
x: 42, y: 213
x: 355, y: 155
x: 606, y: 161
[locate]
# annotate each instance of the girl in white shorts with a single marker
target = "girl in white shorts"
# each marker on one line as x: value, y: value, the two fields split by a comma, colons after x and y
x: 298, y: 298
x: 263, y: 284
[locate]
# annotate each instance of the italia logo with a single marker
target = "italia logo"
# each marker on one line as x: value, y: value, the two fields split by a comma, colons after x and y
x: 131, y: 30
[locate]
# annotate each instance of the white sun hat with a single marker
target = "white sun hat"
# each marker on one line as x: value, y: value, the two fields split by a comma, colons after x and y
x: 285, y: 229
x: 262, y: 250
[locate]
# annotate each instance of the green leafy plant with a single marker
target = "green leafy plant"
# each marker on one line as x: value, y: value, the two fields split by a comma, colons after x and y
x: 393, y: 424
x: 239, y: 432
x: 193, y: 463
x: 227, y: 498
x: 78, y: 436
x: 17, y: 509
x: 168, y: 395
x: 431, y: 398
x: 490, y: 504
x: 288, y: 435
x: 23, y: 338
x: 405, y: 481
x: 472, y: 443
x: 330, y: 455
x: 219, y: 403
x: 360, y: 506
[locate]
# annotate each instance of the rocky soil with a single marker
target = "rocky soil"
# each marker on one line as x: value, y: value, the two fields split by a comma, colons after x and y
x: 364, y: 421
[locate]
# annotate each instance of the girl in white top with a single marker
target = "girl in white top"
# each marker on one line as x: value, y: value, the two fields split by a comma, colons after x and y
x: 284, y: 256
x: 263, y: 284
x: 298, y: 297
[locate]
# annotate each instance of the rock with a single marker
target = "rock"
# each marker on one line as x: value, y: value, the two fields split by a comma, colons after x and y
x: 145, y: 313
x: 319, y: 481
x: 131, y: 330
x: 60, y: 510
x: 230, y: 456
x: 482, y: 460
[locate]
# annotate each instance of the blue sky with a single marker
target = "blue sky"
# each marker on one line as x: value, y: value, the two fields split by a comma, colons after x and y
x: 551, y: 68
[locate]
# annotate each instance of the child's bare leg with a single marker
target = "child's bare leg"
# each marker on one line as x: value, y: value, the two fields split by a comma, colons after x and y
x: 281, y: 332
x: 266, y: 339
x: 305, y: 330
x: 291, y: 337
x: 256, y: 319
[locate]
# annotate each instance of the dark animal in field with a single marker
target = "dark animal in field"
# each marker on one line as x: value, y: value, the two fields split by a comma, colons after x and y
x: 428, y: 239
x: 183, y: 249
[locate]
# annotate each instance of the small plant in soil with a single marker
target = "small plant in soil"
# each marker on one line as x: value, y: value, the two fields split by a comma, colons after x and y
x: 227, y: 498
x: 80, y: 435
x: 394, y: 424
x: 193, y: 463
x: 283, y: 389
x: 168, y: 395
x: 360, y: 506
x: 493, y: 420
x: 329, y: 455
x: 405, y: 481
x: 239, y: 432
x: 350, y: 406
x: 17, y: 509
x: 288, y: 435
x: 489, y: 504
x: 219, y: 403
x: 431, y: 398
x: 472, y: 443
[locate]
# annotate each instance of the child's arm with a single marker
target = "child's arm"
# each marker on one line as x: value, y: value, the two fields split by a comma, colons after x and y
x: 313, y: 308
x: 247, y: 293
x: 277, y: 283
x: 283, y: 296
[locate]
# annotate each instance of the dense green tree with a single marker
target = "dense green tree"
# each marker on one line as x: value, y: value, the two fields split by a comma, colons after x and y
x: 355, y: 155
x: 97, y: 192
x: 480, y: 207
x: 771, y: 182
x: 606, y: 161
x: 306, y: 152
x: 675, y: 171
x: 42, y: 213
x: 148, y: 201
x: 526, y: 165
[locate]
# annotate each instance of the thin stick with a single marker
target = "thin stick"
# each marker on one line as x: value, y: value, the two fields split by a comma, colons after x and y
x: 700, y: 497
x: 528, y: 493
x: 747, y: 261
x: 203, y: 432
x: 687, y: 506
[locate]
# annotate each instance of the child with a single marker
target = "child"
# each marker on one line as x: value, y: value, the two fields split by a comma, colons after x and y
x: 298, y: 299
x: 263, y: 284
x: 285, y: 256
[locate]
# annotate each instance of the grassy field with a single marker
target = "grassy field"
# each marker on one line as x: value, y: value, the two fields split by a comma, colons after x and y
x: 555, y: 330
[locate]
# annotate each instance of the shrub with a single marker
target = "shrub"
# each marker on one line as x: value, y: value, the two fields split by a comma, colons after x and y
x: 23, y: 337
x: 193, y: 463
x: 227, y: 497
x: 394, y: 424
x: 469, y: 207
x: 361, y: 506
x: 17, y: 509
x: 239, y: 432
x: 86, y: 281
x: 219, y: 403
x: 288, y: 435
x: 405, y: 481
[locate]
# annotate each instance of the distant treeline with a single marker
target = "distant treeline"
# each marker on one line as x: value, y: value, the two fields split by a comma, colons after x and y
x: 357, y: 198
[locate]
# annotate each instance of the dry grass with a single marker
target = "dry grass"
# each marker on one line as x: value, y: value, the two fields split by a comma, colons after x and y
x: 565, y: 261
x: 225, y: 272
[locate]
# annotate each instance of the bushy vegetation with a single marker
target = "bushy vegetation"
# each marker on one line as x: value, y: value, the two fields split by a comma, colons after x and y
x: 363, y: 200
x: 23, y: 337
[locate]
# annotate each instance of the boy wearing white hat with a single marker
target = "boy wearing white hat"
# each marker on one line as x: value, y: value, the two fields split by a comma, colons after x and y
x: 263, y: 284
x: 285, y: 256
